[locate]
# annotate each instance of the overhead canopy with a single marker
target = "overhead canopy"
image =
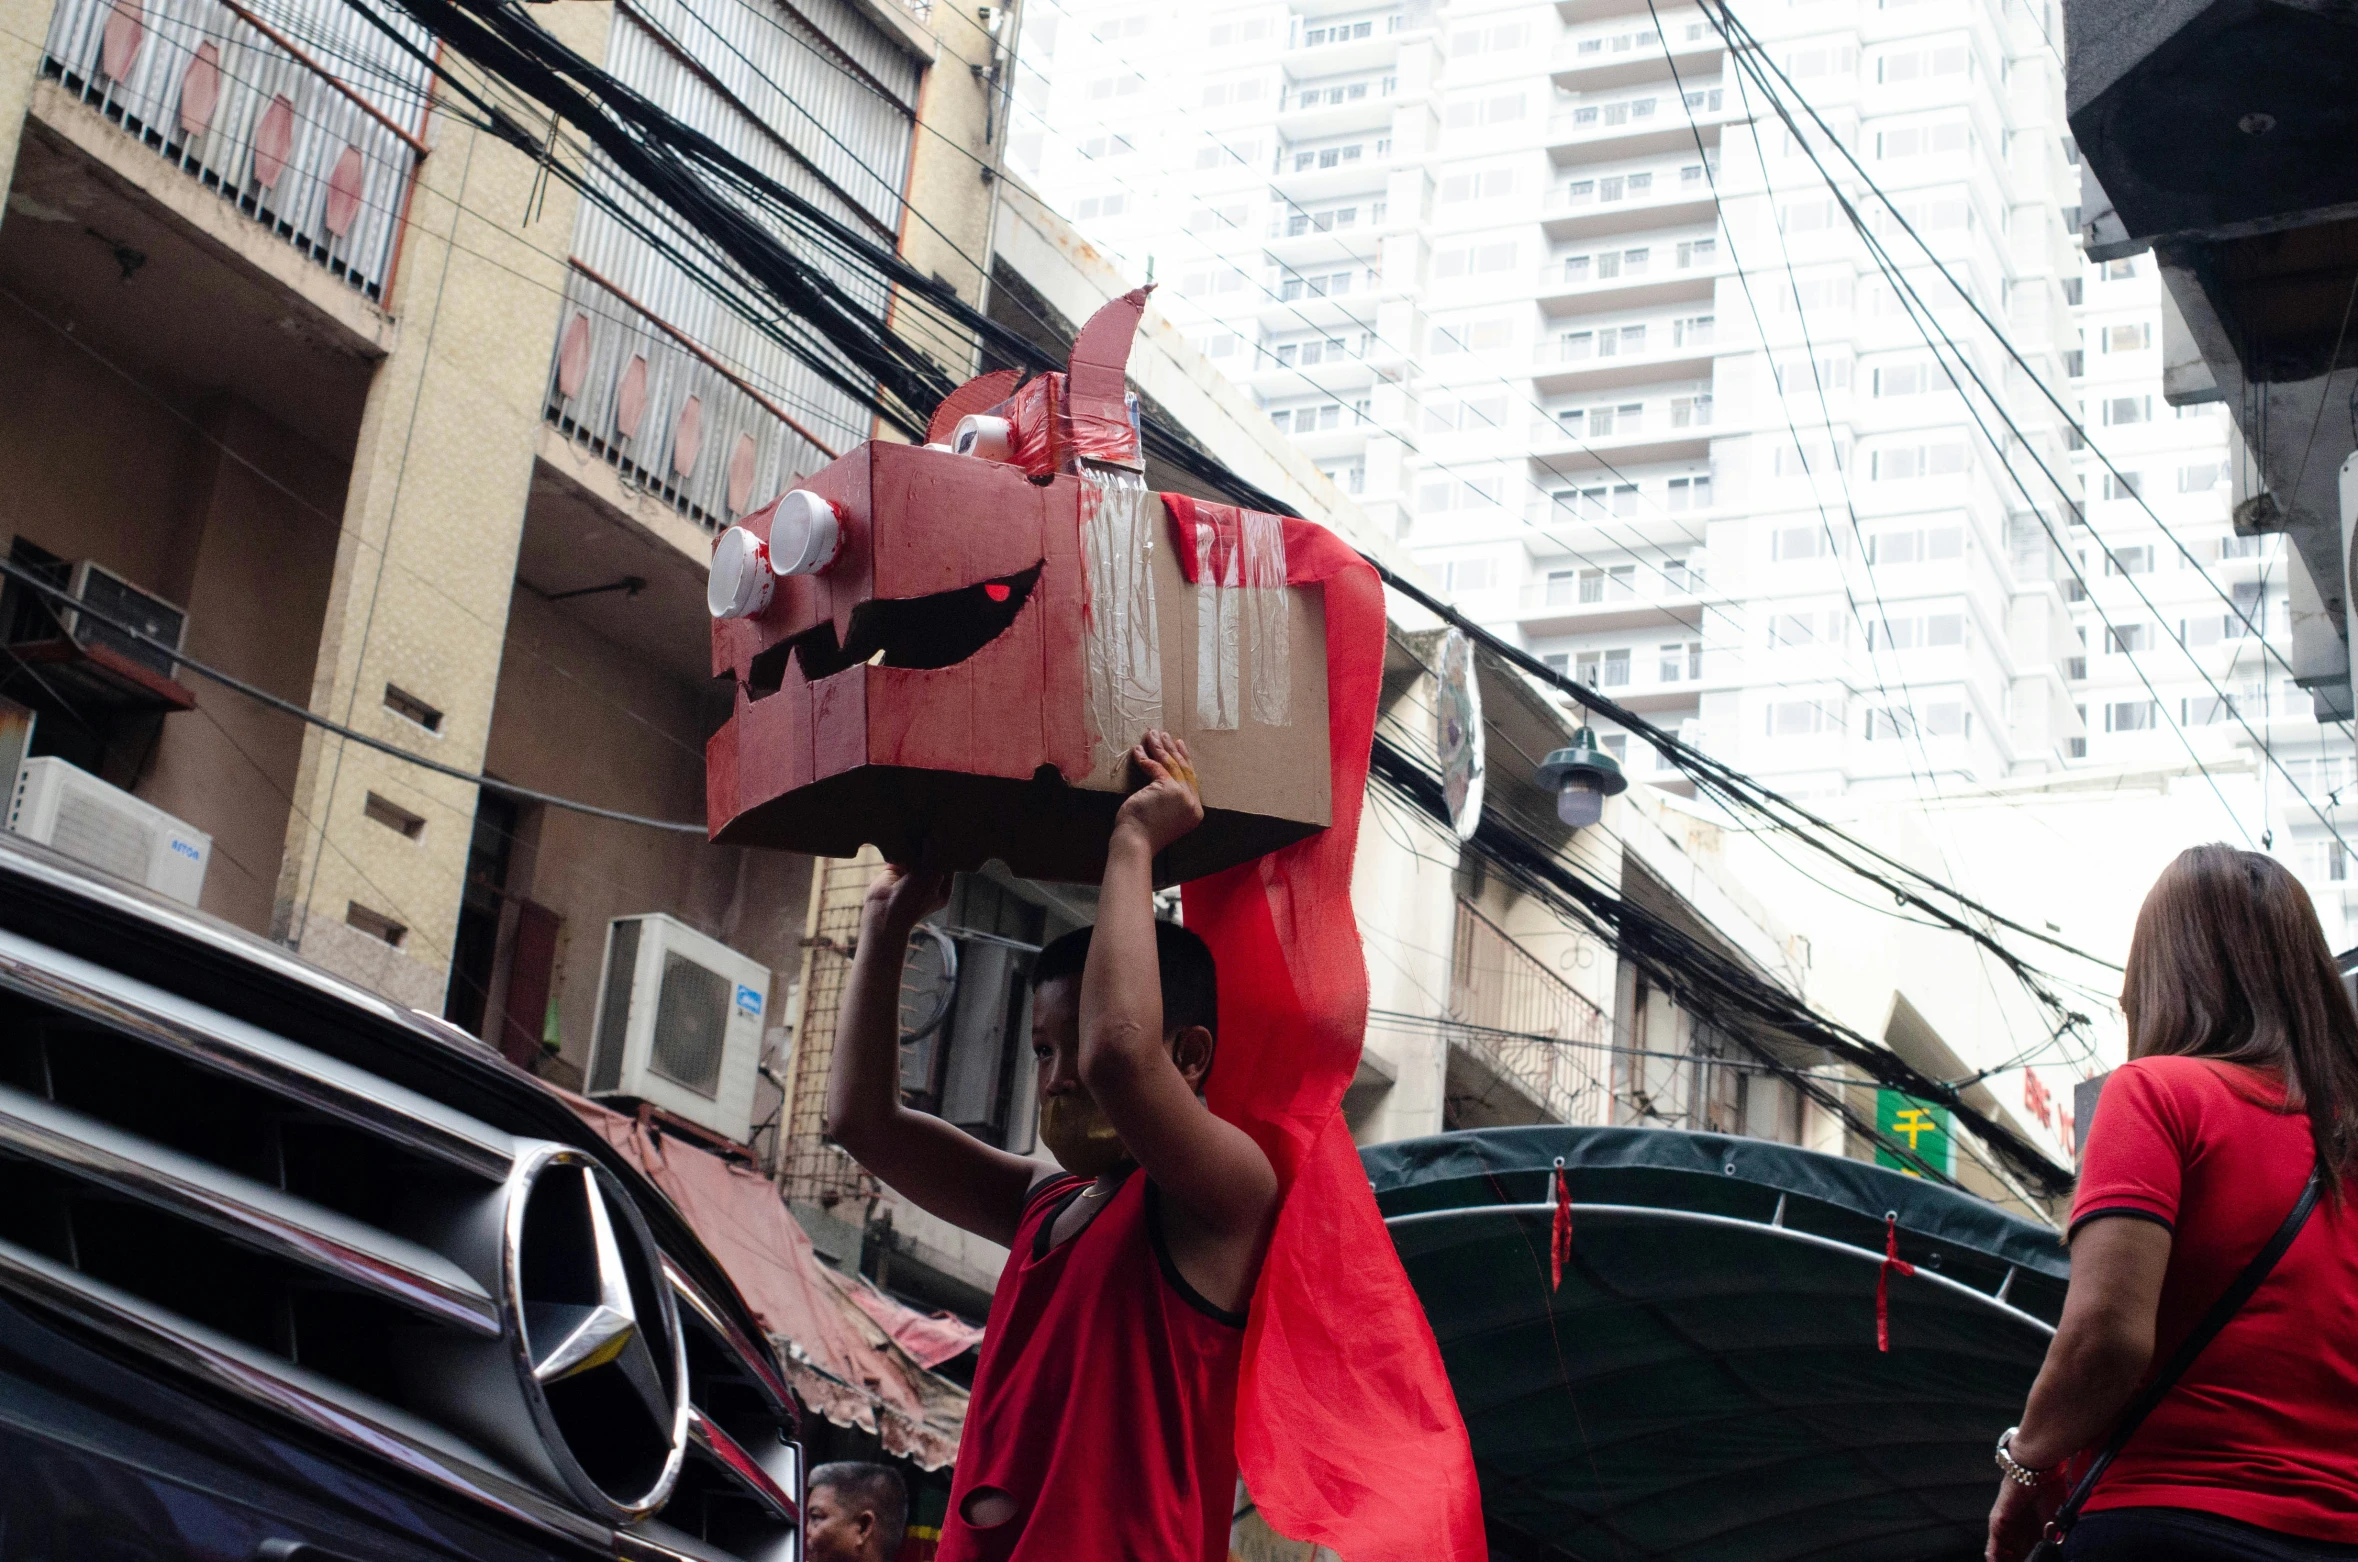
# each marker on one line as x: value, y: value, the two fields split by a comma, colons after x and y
x: 1706, y: 1384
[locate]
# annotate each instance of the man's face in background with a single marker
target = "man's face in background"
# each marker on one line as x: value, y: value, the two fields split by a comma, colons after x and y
x: 838, y: 1531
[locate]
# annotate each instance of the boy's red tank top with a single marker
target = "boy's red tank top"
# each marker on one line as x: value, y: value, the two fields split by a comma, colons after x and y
x: 1105, y: 1400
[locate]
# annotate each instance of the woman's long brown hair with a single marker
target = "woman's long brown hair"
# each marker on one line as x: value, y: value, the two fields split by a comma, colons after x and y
x: 2228, y: 962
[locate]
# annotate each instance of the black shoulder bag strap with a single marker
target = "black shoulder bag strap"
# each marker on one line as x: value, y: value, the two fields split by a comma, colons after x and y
x: 2226, y: 1307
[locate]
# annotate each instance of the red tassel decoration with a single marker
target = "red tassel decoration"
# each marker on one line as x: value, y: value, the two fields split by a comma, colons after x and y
x: 1891, y: 1261
x: 1560, y: 1240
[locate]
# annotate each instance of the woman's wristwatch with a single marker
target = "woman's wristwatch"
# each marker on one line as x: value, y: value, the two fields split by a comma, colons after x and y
x: 2013, y: 1469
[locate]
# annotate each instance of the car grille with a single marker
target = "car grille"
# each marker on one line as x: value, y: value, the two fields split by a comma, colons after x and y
x: 293, y: 1230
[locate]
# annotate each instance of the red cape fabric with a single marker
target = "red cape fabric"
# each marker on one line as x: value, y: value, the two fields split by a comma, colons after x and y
x: 1347, y: 1432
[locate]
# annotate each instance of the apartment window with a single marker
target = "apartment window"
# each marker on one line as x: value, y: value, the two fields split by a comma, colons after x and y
x: 1916, y: 545
x: 1557, y: 662
x: 1671, y: 662
x: 1826, y: 60
x: 2130, y: 716
x: 1690, y: 411
x: 1798, y: 542
x: 2075, y: 363
x: 1585, y: 503
x: 1694, y: 331
x: 1802, y: 377
x: 2233, y: 547
x: 1885, y: 724
x: 1614, y: 583
x: 2249, y: 609
x: 1951, y: 59
x: 1907, y: 462
x: 2120, y: 270
x: 1697, y: 252
x: 1922, y: 140
x: 404, y: 704
x: 393, y: 816
x: 2126, y: 338
x: 2201, y: 478
x: 1801, y: 718
x: 1948, y: 719
x: 1910, y: 379
x: 1694, y: 661
x: 1586, y: 667
x: 2128, y: 639
x: 1615, y: 673
x: 2205, y: 710
x: 1690, y: 493
x: 1468, y: 574
x: 2130, y: 561
x: 2127, y: 409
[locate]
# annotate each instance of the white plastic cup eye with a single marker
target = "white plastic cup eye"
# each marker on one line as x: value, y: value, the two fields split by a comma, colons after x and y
x: 985, y: 437
x: 804, y: 534
x: 740, y: 583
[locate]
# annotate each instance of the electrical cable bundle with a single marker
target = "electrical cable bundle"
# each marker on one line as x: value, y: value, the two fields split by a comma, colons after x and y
x: 733, y: 213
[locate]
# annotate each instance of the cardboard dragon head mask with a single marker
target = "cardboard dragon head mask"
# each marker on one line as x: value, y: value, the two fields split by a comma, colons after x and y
x: 947, y: 650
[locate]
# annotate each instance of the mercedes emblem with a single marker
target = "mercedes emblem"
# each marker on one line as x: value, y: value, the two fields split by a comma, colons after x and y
x: 596, y: 1338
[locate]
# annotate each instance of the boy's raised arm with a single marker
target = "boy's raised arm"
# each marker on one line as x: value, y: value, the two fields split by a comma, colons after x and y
x: 1210, y: 1167
x: 943, y: 1170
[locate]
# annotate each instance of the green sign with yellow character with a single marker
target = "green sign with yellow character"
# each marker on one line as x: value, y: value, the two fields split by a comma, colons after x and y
x: 1921, y: 1126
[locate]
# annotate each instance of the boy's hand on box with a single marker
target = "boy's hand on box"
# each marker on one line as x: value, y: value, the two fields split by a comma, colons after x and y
x: 903, y: 897
x: 1168, y: 805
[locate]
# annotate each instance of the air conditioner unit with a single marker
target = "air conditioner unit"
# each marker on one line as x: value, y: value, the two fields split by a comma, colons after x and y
x: 679, y: 1023
x: 121, y: 602
x: 72, y: 811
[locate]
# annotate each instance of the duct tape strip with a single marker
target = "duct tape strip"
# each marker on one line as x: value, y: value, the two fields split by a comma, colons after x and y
x: 1122, y: 636
x: 1034, y: 415
x: 1217, y: 622
x: 1261, y: 551
x: 1101, y: 433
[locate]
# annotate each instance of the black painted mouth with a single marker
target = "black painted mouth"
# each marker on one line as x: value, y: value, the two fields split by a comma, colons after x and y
x: 935, y: 631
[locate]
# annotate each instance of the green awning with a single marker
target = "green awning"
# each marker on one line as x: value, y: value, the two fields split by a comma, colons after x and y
x: 1706, y: 1384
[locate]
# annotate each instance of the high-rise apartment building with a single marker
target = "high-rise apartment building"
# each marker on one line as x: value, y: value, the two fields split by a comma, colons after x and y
x: 1565, y: 299
x: 2184, y: 628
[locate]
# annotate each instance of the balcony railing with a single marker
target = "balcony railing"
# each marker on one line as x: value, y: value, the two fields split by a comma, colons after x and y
x: 1527, y: 1022
x: 1646, y: 187
x: 678, y: 422
x: 1609, y: 589
x: 300, y: 112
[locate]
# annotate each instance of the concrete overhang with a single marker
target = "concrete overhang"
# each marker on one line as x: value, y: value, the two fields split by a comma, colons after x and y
x: 2216, y: 134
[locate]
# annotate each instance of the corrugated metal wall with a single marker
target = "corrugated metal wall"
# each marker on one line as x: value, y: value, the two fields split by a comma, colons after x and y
x: 819, y: 99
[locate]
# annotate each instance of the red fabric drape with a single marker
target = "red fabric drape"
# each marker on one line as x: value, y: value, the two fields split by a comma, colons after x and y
x: 1347, y: 1432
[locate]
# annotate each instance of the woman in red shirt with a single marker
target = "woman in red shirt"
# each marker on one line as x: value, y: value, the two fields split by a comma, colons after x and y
x: 2242, y: 1075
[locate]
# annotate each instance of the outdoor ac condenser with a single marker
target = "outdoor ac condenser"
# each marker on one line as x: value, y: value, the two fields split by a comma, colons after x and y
x: 72, y: 811
x: 124, y: 603
x: 679, y: 1023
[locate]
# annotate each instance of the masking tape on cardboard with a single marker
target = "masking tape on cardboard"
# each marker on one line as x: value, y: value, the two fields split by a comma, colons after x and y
x: 1122, y: 637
